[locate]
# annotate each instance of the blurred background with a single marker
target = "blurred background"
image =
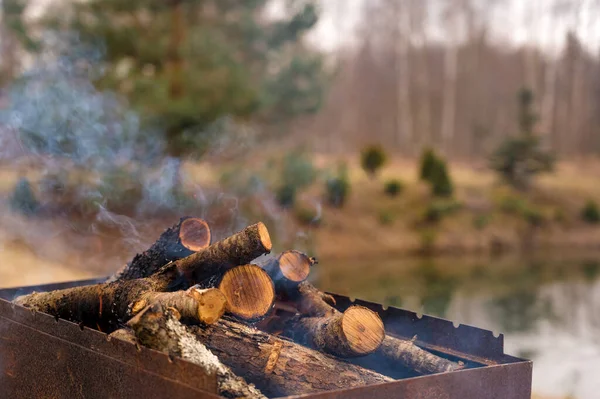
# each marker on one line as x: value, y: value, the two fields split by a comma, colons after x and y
x: 438, y: 155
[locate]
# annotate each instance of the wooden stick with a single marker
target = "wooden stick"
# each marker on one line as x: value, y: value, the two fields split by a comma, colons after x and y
x: 181, y: 240
x: 249, y: 291
x: 159, y: 328
x: 279, y: 367
x: 206, y: 267
x: 405, y: 352
x: 312, y: 302
x: 203, y: 305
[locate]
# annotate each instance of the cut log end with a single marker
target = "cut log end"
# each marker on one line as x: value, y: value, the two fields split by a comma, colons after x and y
x: 294, y: 265
x: 249, y: 291
x: 363, y: 329
x: 264, y: 237
x: 194, y: 234
x: 211, y: 304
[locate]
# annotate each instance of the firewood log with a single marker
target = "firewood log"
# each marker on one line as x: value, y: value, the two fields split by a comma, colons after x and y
x: 106, y: 306
x: 189, y: 235
x: 279, y: 367
x: 288, y: 269
x: 207, y: 266
x: 405, y: 352
x: 204, y: 305
x: 159, y: 328
x: 249, y: 291
x: 316, y: 307
x: 103, y: 306
x: 194, y: 234
x: 311, y: 302
x: 356, y: 332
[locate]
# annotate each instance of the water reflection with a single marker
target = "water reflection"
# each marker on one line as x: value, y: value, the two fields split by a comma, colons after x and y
x: 547, y: 306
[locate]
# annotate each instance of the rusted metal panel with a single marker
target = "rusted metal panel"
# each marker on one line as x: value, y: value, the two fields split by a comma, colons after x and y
x: 433, y: 332
x: 44, y: 357
x: 41, y: 356
x: 508, y: 381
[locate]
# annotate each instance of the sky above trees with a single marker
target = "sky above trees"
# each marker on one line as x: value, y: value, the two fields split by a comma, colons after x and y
x: 544, y: 22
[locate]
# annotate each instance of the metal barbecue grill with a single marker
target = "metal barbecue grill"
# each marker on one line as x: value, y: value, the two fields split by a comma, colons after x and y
x: 44, y: 357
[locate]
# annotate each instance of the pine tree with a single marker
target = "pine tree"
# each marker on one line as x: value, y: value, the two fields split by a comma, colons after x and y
x: 186, y: 64
x: 519, y: 158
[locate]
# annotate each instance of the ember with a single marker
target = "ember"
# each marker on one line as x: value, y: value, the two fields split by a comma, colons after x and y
x: 194, y: 300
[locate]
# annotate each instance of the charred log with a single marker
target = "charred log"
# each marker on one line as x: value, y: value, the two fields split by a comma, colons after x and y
x: 183, y: 239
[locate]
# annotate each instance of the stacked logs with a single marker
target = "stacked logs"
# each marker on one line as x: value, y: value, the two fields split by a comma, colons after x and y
x: 253, y: 321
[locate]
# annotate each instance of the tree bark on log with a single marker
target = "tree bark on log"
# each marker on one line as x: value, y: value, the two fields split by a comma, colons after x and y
x: 311, y: 302
x: 203, y: 305
x: 103, y: 306
x: 405, y: 352
x: 159, y: 328
x: 279, y: 367
x: 206, y: 267
x: 179, y: 241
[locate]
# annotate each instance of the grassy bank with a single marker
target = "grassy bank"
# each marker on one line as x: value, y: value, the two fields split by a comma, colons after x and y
x: 483, y: 215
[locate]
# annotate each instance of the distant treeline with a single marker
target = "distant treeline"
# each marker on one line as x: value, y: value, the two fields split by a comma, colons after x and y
x: 400, y: 86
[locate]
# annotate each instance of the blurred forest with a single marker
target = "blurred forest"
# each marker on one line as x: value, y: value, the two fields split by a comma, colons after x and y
x: 445, y: 74
x: 407, y: 74
x: 269, y: 109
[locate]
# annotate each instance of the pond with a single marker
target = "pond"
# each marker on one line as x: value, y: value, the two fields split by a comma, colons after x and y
x: 546, y: 305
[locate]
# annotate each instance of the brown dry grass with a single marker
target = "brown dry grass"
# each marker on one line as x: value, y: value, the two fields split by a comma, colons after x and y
x: 357, y: 230
x: 20, y: 267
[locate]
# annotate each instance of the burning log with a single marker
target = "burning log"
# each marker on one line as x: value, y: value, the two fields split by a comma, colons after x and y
x: 312, y: 302
x: 186, y: 237
x: 159, y: 328
x: 279, y: 367
x: 249, y: 291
